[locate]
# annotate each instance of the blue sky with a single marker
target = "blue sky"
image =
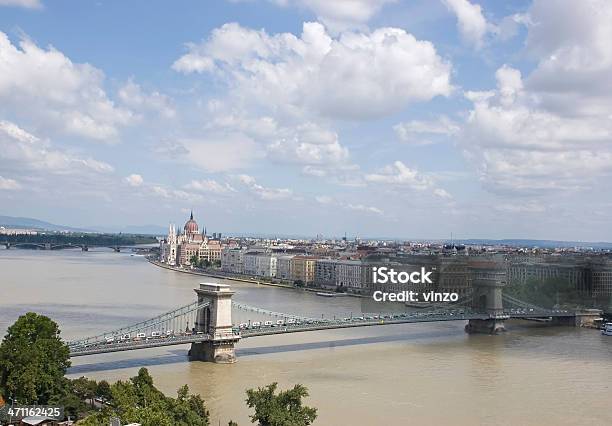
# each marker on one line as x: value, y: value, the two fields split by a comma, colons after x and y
x: 407, y: 118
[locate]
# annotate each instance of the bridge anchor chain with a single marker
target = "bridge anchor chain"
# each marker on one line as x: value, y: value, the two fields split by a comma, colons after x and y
x: 214, y: 322
x: 488, y: 282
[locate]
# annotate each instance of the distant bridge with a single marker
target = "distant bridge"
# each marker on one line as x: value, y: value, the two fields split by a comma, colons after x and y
x: 52, y: 246
x: 207, y: 323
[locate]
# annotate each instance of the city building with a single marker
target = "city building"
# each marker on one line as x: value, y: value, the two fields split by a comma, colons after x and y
x: 326, y: 272
x: 303, y: 269
x: 232, y: 260
x: 283, y: 266
x: 350, y: 274
x: 180, y: 249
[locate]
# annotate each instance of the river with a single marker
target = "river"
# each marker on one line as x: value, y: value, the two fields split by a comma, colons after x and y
x: 427, y: 374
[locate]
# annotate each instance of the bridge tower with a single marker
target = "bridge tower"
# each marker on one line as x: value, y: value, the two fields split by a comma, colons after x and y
x: 215, y: 322
x: 488, y: 281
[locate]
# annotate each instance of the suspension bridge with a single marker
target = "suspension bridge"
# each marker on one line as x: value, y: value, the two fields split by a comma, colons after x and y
x: 207, y: 323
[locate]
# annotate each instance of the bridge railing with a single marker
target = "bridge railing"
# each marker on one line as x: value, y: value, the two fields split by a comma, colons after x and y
x: 262, y: 311
x: 172, y: 320
x: 512, y: 303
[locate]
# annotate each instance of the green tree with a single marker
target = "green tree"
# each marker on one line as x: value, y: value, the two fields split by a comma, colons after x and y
x: 284, y: 409
x: 73, y: 405
x: 194, y: 260
x: 138, y: 401
x: 33, y: 360
x: 103, y: 391
x: 85, y: 389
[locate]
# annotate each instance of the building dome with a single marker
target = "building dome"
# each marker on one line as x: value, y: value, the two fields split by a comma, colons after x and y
x: 191, y: 226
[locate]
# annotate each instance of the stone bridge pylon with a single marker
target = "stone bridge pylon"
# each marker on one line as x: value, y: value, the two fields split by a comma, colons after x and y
x: 489, y: 279
x: 214, y: 323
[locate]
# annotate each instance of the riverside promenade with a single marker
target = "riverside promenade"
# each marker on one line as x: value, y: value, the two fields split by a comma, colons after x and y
x: 220, y: 276
x: 241, y: 279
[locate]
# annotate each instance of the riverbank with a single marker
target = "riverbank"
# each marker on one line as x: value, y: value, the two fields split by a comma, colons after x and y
x: 240, y: 279
x: 219, y: 276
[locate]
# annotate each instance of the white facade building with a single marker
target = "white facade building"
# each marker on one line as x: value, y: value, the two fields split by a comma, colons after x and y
x: 232, y: 260
x: 350, y: 274
x: 283, y: 267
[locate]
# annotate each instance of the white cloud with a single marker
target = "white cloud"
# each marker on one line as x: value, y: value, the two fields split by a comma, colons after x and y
x: 356, y: 75
x: 132, y: 95
x: 305, y: 143
x: 574, y: 73
x: 308, y: 144
x: 264, y: 193
x: 230, y: 119
x: 193, y: 62
x: 341, y: 15
x: 174, y: 194
x: 21, y: 151
x: 210, y: 185
x: 329, y: 201
x: 519, y: 145
x: 8, y: 184
x: 524, y: 207
x: 46, y: 87
x: 399, y: 174
x: 323, y: 199
x: 134, y: 180
x: 214, y: 152
x: 28, y: 4
x: 439, y: 192
x: 471, y: 23
x: 363, y: 208
x: 337, y: 15
x: 550, y: 132
x: 426, y: 132
x: 314, y: 171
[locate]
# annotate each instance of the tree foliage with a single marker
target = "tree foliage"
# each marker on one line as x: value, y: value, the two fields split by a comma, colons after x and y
x: 33, y: 360
x: 58, y: 238
x: 284, y: 409
x: 103, y: 390
x: 138, y: 401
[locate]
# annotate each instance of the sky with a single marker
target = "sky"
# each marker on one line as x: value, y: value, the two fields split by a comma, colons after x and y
x: 374, y: 118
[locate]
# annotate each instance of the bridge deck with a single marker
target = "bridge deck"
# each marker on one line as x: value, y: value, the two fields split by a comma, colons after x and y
x: 102, y: 347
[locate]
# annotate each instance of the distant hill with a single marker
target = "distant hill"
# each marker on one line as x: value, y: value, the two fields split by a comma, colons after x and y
x: 134, y: 229
x: 539, y: 243
x: 30, y: 223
